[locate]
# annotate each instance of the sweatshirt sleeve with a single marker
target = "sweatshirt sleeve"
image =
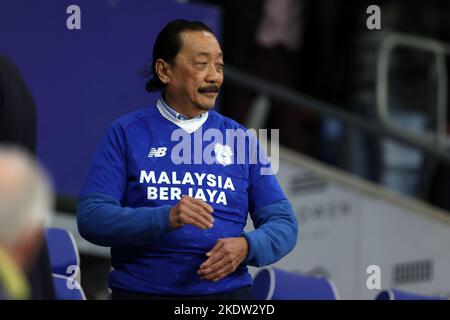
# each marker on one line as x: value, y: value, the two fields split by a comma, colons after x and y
x: 275, y: 234
x: 276, y: 228
x: 103, y: 221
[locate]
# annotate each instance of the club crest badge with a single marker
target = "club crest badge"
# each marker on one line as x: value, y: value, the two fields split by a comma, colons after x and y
x: 223, y: 154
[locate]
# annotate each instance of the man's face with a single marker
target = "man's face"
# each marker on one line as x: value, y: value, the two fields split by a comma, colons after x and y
x: 197, y: 72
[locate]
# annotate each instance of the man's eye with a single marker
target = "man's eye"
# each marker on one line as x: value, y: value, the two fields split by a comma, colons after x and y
x: 200, y: 63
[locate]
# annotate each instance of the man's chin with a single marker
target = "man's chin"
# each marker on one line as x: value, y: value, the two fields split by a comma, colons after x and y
x: 207, y: 101
x: 205, y: 106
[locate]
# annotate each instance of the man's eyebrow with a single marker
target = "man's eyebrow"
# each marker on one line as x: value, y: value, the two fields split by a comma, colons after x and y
x: 207, y: 54
x: 202, y: 54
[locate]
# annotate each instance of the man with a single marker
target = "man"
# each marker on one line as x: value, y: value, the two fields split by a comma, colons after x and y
x: 175, y: 228
x: 18, y: 127
x: 25, y: 204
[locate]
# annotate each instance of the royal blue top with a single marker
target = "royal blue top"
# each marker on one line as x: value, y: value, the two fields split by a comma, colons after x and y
x: 136, y: 176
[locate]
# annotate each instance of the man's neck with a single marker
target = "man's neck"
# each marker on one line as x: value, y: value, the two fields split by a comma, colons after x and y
x: 189, y: 112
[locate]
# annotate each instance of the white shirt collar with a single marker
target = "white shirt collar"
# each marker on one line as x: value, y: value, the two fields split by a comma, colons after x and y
x: 188, y: 125
x: 174, y: 113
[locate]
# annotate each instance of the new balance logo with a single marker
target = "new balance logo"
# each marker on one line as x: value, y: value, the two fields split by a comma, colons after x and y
x: 157, y: 152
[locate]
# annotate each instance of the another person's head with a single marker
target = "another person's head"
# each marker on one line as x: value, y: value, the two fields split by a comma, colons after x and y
x: 187, y: 65
x: 26, y: 200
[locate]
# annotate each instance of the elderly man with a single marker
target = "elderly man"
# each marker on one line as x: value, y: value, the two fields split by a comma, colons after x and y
x: 173, y: 218
x: 25, y: 204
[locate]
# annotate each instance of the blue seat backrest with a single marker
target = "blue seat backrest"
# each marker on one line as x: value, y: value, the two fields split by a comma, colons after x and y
x: 62, y: 250
x: 394, y: 294
x: 275, y: 284
x: 67, y: 288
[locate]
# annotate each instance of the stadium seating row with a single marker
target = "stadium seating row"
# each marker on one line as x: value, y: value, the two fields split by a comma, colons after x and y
x: 269, y: 283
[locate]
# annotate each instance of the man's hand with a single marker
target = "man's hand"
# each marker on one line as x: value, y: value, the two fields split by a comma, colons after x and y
x: 224, y: 258
x: 192, y: 211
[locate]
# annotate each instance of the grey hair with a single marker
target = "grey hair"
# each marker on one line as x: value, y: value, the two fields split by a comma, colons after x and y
x: 26, y: 194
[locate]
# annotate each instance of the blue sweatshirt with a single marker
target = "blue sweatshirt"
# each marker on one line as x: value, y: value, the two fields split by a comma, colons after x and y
x: 139, y: 173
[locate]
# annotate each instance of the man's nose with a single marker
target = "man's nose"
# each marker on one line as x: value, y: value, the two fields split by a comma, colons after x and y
x: 212, y: 74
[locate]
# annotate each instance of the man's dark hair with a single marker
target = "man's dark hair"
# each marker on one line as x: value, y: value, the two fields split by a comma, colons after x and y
x: 167, y: 45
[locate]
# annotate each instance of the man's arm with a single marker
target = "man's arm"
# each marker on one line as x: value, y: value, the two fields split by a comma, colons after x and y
x: 275, y: 234
x: 103, y: 221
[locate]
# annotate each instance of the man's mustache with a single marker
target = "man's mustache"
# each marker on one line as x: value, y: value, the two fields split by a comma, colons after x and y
x: 211, y: 88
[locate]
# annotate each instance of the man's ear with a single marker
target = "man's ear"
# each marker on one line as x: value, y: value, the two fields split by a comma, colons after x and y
x: 162, y: 69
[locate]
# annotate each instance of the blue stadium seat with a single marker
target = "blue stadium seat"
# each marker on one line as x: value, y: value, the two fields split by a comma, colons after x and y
x: 63, y: 251
x: 394, y: 294
x: 275, y: 284
x: 67, y: 288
